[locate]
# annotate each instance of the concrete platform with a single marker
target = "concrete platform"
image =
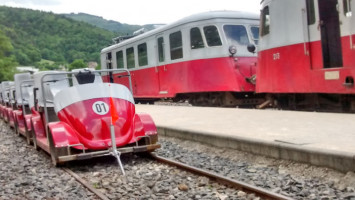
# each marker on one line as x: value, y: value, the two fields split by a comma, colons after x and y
x: 322, y: 139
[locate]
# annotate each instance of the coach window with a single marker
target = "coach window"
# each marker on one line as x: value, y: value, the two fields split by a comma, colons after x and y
x: 119, y: 59
x: 311, y: 15
x: 142, y: 55
x: 212, y: 36
x: 196, y: 38
x: 161, y: 49
x: 347, y: 8
x: 176, y: 45
x: 265, y: 21
x: 130, y: 58
x: 236, y: 33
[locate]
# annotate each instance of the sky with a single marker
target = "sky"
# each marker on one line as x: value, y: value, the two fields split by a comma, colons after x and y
x: 138, y: 12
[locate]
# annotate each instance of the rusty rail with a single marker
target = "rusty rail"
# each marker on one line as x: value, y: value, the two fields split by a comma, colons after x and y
x: 86, y: 184
x: 265, y: 194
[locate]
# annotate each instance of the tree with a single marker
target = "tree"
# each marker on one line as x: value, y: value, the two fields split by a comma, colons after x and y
x: 7, y: 61
x: 37, y: 35
x: 77, y: 64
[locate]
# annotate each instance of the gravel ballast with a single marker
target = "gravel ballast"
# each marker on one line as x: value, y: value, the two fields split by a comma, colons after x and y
x: 28, y: 174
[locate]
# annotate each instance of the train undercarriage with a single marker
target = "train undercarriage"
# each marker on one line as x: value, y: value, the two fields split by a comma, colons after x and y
x: 215, y: 99
x: 320, y: 102
x: 340, y: 103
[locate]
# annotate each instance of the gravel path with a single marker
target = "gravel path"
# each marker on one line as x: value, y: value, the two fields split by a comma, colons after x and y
x: 28, y: 174
x: 299, y: 181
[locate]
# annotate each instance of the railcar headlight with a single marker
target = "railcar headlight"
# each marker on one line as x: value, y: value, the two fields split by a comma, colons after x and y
x: 232, y: 50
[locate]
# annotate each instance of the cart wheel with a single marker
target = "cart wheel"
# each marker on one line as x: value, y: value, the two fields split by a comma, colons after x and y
x: 28, y: 137
x: 34, y: 139
x: 16, y: 130
x: 52, y: 150
x: 28, y: 134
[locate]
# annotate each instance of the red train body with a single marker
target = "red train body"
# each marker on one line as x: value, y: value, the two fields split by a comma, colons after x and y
x: 192, y: 58
x: 306, y: 53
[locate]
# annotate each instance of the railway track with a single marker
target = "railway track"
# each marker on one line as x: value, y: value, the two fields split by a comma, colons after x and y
x: 260, y: 192
x: 247, y: 188
x: 86, y: 184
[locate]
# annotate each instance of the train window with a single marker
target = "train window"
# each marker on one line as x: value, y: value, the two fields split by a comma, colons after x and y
x: 176, y: 45
x: 311, y: 16
x: 236, y: 33
x: 119, y: 59
x: 196, y: 38
x: 255, y: 33
x: 212, y: 36
x: 130, y: 58
x: 265, y: 21
x: 142, y: 55
x: 161, y: 49
x: 347, y: 8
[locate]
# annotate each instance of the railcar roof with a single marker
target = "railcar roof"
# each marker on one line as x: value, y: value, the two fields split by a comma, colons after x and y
x: 189, y: 19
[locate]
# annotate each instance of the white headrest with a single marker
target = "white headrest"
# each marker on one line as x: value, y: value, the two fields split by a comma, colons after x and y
x: 52, y: 84
x: 19, y: 78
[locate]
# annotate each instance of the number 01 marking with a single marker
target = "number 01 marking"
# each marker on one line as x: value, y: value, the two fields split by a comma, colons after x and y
x: 100, y: 108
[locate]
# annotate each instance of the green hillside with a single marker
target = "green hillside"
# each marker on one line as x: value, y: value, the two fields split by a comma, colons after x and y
x: 37, y: 35
x: 7, y: 60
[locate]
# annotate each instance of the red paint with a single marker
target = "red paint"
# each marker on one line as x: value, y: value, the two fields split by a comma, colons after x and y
x: 205, y: 75
x: 63, y: 134
x: 93, y: 130
x: 11, y: 118
x: 296, y: 72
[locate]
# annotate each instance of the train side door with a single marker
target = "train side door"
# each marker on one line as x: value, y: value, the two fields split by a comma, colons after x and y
x: 161, y: 66
x: 330, y: 33
x: 325, y: 27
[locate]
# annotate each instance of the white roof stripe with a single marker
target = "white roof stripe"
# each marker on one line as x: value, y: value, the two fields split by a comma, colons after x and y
x: 84, y: 92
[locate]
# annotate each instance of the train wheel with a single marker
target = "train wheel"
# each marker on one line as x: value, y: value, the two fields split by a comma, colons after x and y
x: 52, y: 149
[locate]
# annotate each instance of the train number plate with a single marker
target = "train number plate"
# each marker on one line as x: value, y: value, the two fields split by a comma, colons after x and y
x: 334, y: 75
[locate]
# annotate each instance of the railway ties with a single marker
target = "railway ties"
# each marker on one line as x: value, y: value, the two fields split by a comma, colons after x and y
x: 182, y: 190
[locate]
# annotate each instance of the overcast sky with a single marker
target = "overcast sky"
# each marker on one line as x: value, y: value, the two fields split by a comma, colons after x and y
x: 136, y: 11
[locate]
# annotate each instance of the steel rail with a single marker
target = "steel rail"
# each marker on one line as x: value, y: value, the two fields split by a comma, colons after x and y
x: 260, y: 192
x: 86, y: 184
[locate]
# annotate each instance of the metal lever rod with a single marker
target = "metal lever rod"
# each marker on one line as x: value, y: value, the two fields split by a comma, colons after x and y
x: 114, y: 152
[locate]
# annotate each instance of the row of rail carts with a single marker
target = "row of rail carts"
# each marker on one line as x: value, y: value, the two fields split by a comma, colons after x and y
x: 75, y: 115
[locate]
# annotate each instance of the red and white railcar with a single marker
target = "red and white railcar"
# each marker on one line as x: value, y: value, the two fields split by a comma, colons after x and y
x: 306, y: 53
x: 1, y: 102
x: 22, y: 114
x: 203, y: 58
x: 7, y: 105
x: 88, y: 118
x: 12, y: 105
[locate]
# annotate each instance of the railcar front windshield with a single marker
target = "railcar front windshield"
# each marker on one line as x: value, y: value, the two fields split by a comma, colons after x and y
x: 255, y: 34
x: 239, y: 34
